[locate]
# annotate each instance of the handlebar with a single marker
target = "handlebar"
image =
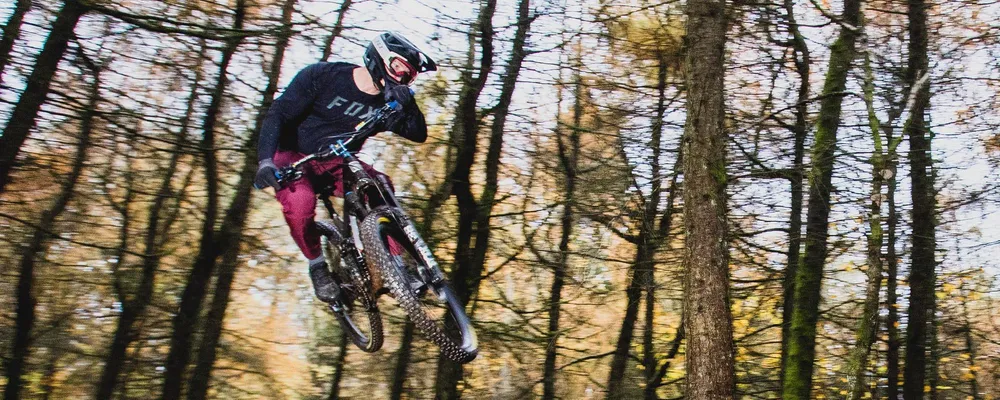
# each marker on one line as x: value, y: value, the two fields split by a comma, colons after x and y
x: 362, y: 132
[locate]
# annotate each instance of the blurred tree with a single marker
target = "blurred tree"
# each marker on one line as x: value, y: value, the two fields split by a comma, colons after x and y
x: 229, y: 236
x: 653, y: 38
x: 22, y: 118
x: 801, y: 354
x: 800, y: 130
x: 474, y: 220
x: 134, y: 303
x: 569, y: 154
x: 923, y: 263
x: 338, y: 29
x: 970, y: 346
x: 891, y: 258
x: 181, y: 339
x: 868, y: 325
x: 338, y: 365
x: 11, y: 31
x: 464, y: 134
x: 43, y: 231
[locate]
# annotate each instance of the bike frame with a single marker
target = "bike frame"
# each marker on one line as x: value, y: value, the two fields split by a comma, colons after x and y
x: 362, y: 193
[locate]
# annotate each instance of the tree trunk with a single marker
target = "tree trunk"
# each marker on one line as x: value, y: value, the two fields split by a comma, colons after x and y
x: 641, y: 279
x: 230, y: 235
x: 868, y: 325
x: 22, y: 118
x: 465, y: 275
x: 214, y: 321
x: 338, y: 27
x: 229, y: 240
x: 488, y: 198
x: 648, y: 351
x: 555, y: 298
x: 11, y: 31
x: 402, y: 362
x: 922, y: 274
x: 426, y: 230
x: 201, y: 273
x: 633, y: 293
x: 675, y: 347
x: 799, y: 359
x: 24, y: 319
x: 707, y: 319
x: 801, y: 127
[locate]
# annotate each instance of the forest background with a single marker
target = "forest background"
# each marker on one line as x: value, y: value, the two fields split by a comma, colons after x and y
x: 852, y: 147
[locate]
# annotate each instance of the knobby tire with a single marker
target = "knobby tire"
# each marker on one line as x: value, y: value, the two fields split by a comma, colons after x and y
x: 375, y: 229
x: 356, y: 283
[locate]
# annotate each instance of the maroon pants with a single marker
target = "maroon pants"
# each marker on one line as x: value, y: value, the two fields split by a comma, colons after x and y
x: 298, y: 198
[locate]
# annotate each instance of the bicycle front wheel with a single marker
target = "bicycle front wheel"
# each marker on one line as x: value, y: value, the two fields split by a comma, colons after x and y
x: 356, y: 310
x: 434, y: 308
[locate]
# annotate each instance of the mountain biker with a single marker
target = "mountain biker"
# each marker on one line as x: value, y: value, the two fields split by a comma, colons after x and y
x: 323, y: 103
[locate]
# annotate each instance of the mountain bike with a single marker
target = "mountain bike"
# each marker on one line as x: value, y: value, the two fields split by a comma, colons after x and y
x: 378, y: 234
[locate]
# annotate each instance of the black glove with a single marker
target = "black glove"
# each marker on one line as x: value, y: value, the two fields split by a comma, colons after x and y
x: 266, y: 175
x: 399, y: 93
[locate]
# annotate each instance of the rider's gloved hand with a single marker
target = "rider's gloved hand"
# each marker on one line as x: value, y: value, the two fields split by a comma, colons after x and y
x: 399, y: 93
x: 266, y: 175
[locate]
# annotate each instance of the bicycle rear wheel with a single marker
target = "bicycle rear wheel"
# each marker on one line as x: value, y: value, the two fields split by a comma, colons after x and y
x: 434, y: 308
x: 356, y: 310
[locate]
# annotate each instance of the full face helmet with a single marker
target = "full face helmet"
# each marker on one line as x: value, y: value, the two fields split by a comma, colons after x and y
x: 391, y: 59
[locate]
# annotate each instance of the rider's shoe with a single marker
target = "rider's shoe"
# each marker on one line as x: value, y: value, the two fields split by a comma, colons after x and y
x: 326, y: 288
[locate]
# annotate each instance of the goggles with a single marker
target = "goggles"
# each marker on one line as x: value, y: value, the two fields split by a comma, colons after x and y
x: 400, y: 70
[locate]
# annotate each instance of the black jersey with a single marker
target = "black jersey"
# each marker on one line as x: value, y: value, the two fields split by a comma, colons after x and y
x: 323, y: 104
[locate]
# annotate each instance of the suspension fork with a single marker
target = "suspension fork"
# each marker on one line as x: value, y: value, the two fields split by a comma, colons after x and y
x: 433, y: 270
